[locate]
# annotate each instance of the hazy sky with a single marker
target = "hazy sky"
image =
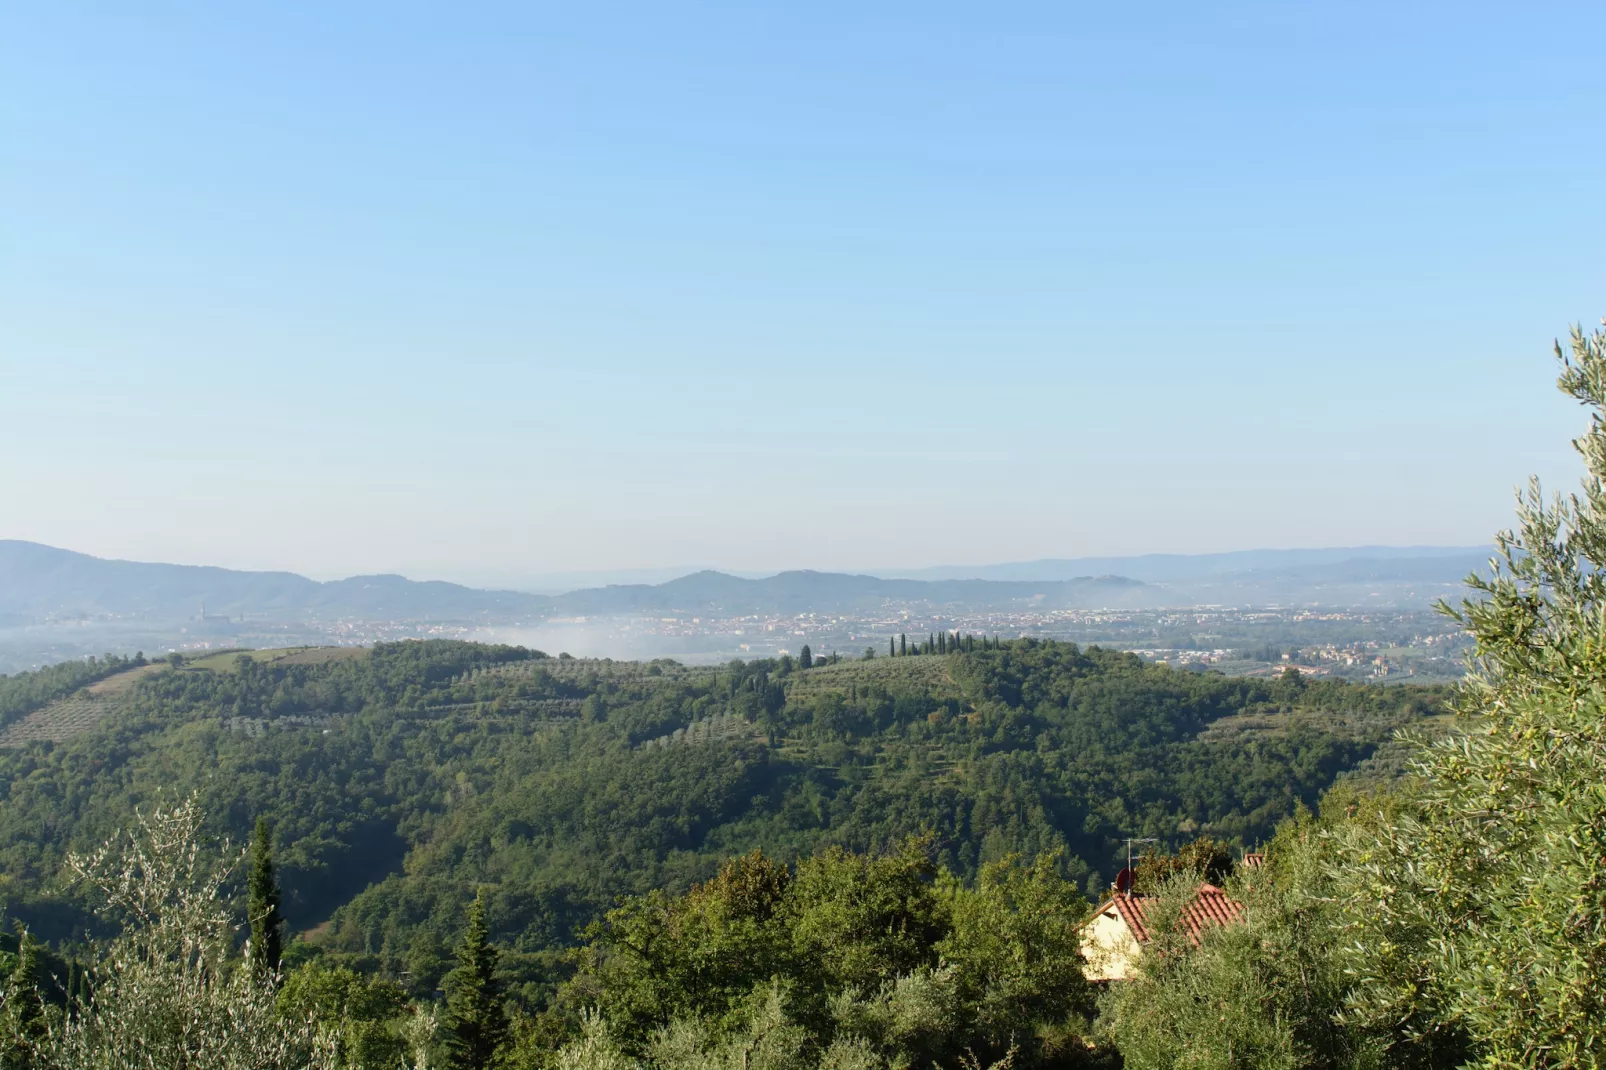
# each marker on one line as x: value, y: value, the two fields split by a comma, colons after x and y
x: 469, y: 290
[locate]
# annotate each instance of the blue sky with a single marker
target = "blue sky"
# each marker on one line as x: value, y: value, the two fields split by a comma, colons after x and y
x: 487, y: 290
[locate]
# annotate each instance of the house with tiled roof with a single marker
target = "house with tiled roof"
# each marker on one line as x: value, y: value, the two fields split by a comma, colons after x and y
x: 1113, y: 938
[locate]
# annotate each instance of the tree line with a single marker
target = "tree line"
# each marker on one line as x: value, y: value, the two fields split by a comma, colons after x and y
x: 936, y: 643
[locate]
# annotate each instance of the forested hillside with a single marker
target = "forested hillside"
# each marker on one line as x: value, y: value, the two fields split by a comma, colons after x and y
x: 399, y: 782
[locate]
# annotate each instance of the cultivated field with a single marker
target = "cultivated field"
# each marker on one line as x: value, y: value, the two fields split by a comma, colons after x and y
x: 84, y: 710
x: 78, y: 713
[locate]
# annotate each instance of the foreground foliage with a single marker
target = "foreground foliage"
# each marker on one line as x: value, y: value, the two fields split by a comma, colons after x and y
x: 851, y: 961
x: 902, y: 962
x: 1494, y: 881
x: 1458, y: 919
x: 170, y: 992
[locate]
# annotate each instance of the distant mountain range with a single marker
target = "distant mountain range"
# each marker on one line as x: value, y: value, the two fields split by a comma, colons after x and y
x: 835, y: 592
x: 1391, y: 563
x: 39, y: 583
x: 1378, y: 562
x: 1340, y: 576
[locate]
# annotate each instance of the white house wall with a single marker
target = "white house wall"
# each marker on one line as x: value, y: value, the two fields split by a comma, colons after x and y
x: 1109, y: 947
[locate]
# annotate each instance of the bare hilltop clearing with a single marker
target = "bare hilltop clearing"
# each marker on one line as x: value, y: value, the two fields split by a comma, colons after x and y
x: 225, y: 660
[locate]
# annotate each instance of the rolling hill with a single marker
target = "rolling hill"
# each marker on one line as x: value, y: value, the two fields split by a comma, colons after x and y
x: 400, y: 779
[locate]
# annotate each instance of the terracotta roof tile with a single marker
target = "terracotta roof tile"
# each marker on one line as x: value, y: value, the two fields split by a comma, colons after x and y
x: 1210, y: 906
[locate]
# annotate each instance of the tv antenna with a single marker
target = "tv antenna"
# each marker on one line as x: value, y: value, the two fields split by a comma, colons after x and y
x: 1130, y: 840
x: 1125, y: 879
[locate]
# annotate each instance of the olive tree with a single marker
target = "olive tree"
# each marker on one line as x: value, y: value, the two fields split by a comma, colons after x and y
x: 171, y: 993
x: 1478, y: 914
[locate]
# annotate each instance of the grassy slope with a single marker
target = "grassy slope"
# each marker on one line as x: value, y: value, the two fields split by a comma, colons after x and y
x: 225, y: 660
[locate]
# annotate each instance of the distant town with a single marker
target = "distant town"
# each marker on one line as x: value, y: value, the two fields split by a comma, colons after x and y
x: 1355, y: 644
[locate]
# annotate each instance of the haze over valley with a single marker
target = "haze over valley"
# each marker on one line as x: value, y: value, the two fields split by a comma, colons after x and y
x: 1238, y: 611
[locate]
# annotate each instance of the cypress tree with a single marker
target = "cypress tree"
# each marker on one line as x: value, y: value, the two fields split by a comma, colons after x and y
x: 476, y: 1022
x: 77, y: 988
x: 892, y: 647
x: 805, y: 659
x: 24, y: 1011
x: 78, y: 997
x: 903, y: 644
x: 267, y: 924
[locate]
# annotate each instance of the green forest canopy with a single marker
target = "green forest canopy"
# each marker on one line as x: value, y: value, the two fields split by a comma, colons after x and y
x: 399, y: 783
